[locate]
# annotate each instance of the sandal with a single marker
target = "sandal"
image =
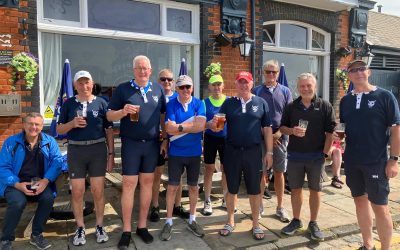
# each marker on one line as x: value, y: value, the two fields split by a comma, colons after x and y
x: 336, y: 182
x: 258, y: 233
x: 226, y: 230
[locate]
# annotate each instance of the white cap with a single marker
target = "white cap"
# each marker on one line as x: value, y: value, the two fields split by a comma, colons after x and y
x: 81, y: 74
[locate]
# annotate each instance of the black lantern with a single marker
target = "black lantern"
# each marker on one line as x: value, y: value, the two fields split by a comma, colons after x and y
x: 244, y: 43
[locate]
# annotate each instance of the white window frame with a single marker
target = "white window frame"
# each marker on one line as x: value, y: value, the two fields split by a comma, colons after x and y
x: 309, y: 51
x: 81, y: 29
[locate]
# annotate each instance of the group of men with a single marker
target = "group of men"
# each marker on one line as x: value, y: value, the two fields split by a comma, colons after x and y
x: 264, y: 128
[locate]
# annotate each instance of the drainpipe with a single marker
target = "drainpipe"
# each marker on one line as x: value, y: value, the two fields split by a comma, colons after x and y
x: 253, y: 31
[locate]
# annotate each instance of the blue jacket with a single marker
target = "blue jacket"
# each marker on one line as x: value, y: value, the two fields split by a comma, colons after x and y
x: 12, y: 157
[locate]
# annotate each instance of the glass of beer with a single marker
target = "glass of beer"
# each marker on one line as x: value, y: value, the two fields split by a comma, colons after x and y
x: 135, y: 116
x: 35, y: 183
x: 220, y: 120
x: 339, y: 129
x: 79, y: 113
x: 303, y: 124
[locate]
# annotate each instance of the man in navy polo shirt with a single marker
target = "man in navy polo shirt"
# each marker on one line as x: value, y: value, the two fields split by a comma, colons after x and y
x: 247, y: 123
x: 372, y: 119
x: 277, y: 96
x: 140, y: 142
x: 309, y: 121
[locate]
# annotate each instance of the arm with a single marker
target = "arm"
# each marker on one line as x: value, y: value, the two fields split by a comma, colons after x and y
x: 392, y: 166
x: 328, y: 143
x: 164, y: 144
x: 267, y: 133
x: 196, y: 126
x: 111, y: 150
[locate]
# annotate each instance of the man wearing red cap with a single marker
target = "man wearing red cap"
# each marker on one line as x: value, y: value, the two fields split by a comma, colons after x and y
x: 247, y: 122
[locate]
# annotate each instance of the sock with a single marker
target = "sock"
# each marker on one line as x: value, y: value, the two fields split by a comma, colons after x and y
x: 169, y: 221
x: 192, y: 218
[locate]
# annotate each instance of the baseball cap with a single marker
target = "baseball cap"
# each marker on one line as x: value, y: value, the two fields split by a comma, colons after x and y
x: 81, y: 74
x: 244, y: 75
x: 354, y: 62
x: 184, y: 80
x: 215, y: 78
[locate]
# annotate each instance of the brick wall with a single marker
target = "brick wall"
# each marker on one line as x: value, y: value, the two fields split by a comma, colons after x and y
x: 11, y: 23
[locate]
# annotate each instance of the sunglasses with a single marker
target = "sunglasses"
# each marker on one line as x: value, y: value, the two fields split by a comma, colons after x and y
x: 270, y: 72
x: 359, y: 69
x: 163, y: 79
x: 184, y: 87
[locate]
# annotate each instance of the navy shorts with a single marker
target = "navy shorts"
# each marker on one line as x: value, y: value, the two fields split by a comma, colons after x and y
x: 87, y: 159
x: 212, y: 145
x: 297, y: 170
x: 139, y: 156
x: 368, y: 179
x: 176, y: 165
x: 245, y: 161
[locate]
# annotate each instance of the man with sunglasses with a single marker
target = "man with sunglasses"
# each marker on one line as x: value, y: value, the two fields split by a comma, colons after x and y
x: 277, y: 96
x: 372, y: 119
x: 185, y: 122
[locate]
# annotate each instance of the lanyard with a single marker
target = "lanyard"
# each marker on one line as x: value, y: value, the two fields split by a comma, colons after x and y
x: 143, y: 90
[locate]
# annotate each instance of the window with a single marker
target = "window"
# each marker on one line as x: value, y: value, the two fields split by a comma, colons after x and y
x: 318, y: 41
x: 269, y: 34
x: 179, y: 20
x: 61, y: 10
x: 293, y: 36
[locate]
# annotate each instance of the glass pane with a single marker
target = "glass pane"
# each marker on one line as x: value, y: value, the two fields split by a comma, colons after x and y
x: 269, y: 34
x: 131, y: 16
x: 293, y: 36
x: 109, y: 60
x: 318, y: 41
x: 295, y: 65
x: 179, y: 20
x: 67, y: 10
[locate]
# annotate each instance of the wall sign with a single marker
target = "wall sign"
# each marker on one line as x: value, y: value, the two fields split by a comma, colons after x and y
x: 5, y: 57
x: 5, y: 40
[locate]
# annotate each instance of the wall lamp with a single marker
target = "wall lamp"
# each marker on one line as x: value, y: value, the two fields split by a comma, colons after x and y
x: 343, y: 51
x: 365, y: 54
x: 244, y: 43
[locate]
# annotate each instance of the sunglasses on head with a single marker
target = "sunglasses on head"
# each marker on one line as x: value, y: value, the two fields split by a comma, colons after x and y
x: 270, y: 72
x: 184, y: 87
x: 358, y: 69
x: 163, y: 79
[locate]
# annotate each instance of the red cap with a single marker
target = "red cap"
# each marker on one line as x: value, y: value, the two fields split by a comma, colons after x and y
x: 244, y: 75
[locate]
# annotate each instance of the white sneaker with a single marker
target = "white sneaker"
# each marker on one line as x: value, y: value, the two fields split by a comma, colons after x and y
x: 101, y: 234
x: 80, y: 237
x: 207, y: 210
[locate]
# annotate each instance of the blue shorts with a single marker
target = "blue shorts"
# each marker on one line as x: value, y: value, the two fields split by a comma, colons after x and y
x: 368, y: 179
x: 176, y: 165
x: 139, y: 156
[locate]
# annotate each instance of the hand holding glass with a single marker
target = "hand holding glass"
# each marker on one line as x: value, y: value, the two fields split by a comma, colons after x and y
x: 220, y: 120
x: 135, y: 116
x: 35, y: 183
x: 303, y: 124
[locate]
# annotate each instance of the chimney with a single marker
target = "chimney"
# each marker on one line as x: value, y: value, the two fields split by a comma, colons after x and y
x: 380, y: 8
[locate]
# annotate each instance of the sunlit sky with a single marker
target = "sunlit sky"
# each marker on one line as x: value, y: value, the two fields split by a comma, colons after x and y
x: 391, y: 7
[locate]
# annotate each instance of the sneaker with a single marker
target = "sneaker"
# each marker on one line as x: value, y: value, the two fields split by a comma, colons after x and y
x: 5, y: 245
x: 316, y: 233
x: 294, y: 226
x: 365, y: 248
x: 196, y: 229
x: 124, y: 241
x: 79, y: 238
x: 207, y: 210
x: 155, y: 214
x: 39, y: 241
x: 267, y: 194
x: 181, y: 212
x: 101, y: 234
x: 282, y: 214
x: 166, y: 231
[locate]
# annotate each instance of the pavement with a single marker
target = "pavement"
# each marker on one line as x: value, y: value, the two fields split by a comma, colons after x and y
x: 337, y: 219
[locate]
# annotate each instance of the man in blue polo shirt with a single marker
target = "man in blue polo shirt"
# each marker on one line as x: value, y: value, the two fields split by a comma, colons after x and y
x: 185, y: 122
x: 247, y: 123
x: 309, y: 121
x: 277, y: 96
x: 372, y: 119
x: 139, y: 104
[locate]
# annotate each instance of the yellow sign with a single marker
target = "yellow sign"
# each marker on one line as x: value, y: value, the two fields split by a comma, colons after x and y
x: 48, y: 113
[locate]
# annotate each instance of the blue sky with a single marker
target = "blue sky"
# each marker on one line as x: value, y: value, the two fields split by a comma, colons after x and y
x: 389, y: 6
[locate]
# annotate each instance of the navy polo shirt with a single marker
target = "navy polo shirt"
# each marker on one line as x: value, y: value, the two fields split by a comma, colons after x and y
x: 96, y: 119
x: 33, y: 164
x: 321, y: 119
x: 148, y: 126
x: 368, y: 118
x: 244, y: 129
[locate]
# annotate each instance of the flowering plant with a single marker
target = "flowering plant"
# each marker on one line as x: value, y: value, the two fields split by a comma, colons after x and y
x: 342, y: 76
x: 213, y: 69
x: 24, y: 65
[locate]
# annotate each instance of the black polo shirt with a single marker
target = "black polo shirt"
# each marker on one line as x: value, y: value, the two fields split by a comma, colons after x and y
x: 96, y: 119
x: 244, y: 129
x: 152, y: 104
x: 33, y: 164
x: 321, y: 118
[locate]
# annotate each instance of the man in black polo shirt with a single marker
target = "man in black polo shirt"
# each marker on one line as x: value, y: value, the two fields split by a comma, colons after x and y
x: 309, y: 121
x: 140, y: 142
x: 247, y: 122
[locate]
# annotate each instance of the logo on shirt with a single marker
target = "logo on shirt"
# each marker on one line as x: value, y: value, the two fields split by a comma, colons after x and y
x: 254, y: 108
x: 375, y: 176
x: 155, y: 98
x: 371, y: 103
x: 95, y: 113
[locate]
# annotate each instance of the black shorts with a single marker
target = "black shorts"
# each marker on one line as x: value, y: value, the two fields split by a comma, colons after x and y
x: 139, y: 156
x: 212, y: 145
x: 243, y: 160
x: 87, y: 159
x: 176, y: 165
x: 296, y: 171
x: 160, y: 160
x: 368, y: 179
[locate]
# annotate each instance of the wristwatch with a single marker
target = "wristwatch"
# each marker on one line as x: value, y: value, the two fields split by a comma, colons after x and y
x: 180, y: 128
x: 395, y: 158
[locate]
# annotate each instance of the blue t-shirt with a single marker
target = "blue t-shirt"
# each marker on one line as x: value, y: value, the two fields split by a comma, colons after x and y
x: 368, y: 118
x: 211, y: 110
x: 188, y: 144
x: 244, y: 129
x: 148, y: 126
x: 169, y: 98
x: 96, y: 119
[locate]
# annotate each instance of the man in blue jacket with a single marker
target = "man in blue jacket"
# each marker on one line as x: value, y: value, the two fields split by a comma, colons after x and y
x: 23, y: 157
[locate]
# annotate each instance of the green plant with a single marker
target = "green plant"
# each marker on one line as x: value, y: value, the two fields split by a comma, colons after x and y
x: 213, y: 69
x: 23, y: 66
x: 342, y: 76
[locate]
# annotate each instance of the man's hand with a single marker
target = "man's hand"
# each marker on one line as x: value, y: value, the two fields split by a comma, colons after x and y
x: 23, y: 187
x: 392, y: 169
x: 41, y: 186
x: 212, y: 125
x: 164, y: 148
x: 299, y: 131
x: 79, y: 122
x: 268, y: 159
x: 335, y: 137
x: 110, y: 162
x: 276, y: 138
